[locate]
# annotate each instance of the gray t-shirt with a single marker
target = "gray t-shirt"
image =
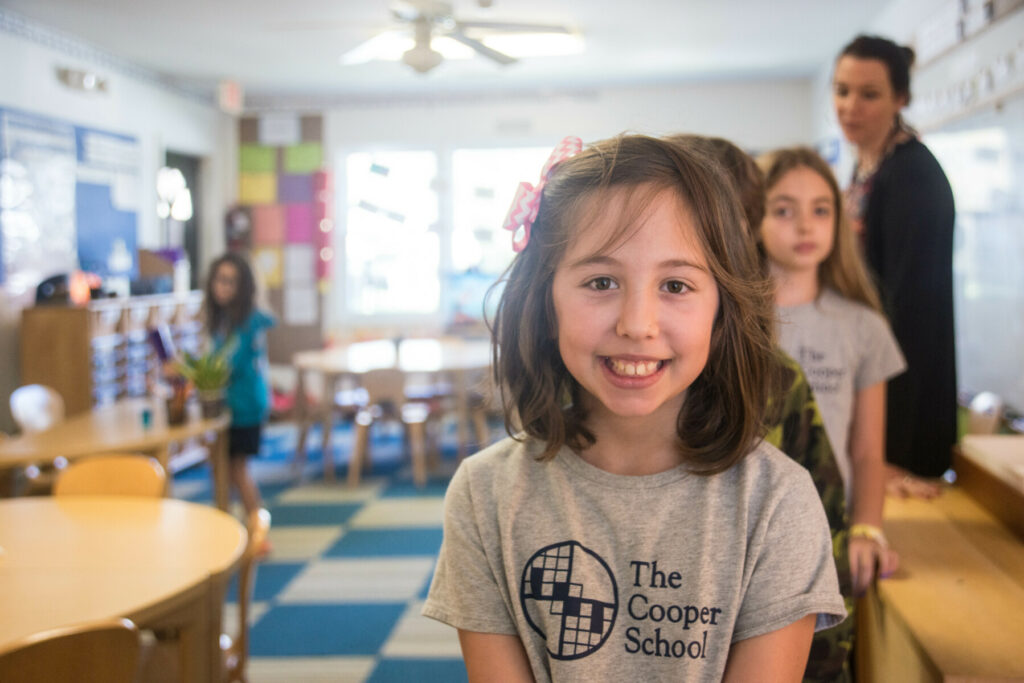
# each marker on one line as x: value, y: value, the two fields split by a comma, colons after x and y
x: 607, y: 577
x: 843, y: 347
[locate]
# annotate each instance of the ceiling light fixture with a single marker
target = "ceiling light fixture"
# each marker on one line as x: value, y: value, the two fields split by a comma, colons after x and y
x: 78, y: 79
x: 422, y: 57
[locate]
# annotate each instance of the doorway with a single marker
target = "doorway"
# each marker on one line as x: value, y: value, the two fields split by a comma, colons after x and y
x: 187, y: 236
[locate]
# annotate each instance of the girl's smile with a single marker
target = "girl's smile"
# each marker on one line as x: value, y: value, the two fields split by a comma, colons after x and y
x: 634, y: 368
x: 635, y: 315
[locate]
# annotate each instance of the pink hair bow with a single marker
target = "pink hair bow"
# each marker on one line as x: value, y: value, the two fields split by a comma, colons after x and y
x: 526, y: 202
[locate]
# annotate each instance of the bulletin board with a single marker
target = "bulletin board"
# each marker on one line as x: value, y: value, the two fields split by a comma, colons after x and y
x: 285, y: 190
x: 69, y: 196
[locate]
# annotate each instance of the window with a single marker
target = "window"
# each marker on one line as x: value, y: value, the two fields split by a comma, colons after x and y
x: 392, y: 248
x: 483, y: 183
x: 404, y: 256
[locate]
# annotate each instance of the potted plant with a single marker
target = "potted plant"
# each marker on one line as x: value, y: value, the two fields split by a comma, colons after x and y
x: 208, y: 373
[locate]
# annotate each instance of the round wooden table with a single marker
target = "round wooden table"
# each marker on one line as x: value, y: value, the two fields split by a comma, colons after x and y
x: 118, y: 428
x: 162, y: 563
x: 453, y: 358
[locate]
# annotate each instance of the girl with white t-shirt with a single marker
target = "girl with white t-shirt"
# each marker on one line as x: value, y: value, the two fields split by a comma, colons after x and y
x: 830, y: 322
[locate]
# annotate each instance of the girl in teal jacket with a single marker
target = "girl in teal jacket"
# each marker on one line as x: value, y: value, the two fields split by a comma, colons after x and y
x: 234, y: 320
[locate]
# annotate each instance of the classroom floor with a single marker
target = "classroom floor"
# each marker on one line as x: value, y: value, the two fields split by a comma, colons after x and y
x: 339, y: 597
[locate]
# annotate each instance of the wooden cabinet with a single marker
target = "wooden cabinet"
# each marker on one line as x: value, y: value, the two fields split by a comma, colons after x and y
x: 98, y: 353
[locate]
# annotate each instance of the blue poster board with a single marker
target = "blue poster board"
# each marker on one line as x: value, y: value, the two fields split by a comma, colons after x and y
x: 69, y: 197
x: 106, y: 198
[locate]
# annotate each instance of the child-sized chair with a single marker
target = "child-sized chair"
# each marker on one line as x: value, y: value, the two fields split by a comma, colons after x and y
x: 112, y: 475
x: 104, y: 651
x: 386, y: 398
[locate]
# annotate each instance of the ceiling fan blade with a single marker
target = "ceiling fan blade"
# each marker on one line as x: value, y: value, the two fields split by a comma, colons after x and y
x: 410, y: 10
x: 490, y: 53
x: 511, y: 26
x: 368, y: 50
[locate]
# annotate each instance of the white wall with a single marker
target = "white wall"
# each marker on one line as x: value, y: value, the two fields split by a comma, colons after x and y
x: 754, y: 114
x: 160, y: 118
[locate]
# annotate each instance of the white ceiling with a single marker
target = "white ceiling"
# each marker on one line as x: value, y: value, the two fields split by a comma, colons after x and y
x: 290, y: 48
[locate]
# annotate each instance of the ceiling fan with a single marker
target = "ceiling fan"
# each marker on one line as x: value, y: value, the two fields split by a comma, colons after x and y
x: 433, y: 19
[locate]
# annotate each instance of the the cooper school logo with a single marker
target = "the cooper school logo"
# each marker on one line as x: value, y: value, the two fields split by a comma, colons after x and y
x: 570, y: 598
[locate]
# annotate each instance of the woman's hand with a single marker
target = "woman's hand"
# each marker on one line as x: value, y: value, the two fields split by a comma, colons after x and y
x: 870, y: 558
x: 900, y: 483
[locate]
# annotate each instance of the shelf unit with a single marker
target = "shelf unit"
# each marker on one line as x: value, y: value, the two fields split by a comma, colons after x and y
x: 97, y: 353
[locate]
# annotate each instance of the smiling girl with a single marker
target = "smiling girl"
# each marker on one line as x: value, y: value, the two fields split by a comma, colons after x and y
x: 635, y: 527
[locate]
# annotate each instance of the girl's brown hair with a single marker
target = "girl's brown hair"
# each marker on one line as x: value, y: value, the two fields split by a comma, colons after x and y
x: 226, y: 319
x: 741, y: 168
x: 724, y: 409
x: 843, y: 270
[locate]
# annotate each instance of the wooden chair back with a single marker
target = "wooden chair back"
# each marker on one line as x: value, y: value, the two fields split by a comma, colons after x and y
x: 112, y: 475
x: 104, y: 651
x: 36, y: 407
x: 236, y: 651
x: 386, y: 385
x: 386, y: 396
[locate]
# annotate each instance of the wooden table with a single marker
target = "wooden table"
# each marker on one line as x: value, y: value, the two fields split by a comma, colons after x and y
x: 991, y: 467
x: 162, y: 563
x: 118, y: 428
x: 453, y: 358
x: 955, y: 609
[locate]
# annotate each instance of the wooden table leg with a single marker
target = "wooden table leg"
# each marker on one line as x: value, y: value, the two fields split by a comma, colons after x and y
x: 219, y: 469
x: 327, y: 409
x: 303, y: 418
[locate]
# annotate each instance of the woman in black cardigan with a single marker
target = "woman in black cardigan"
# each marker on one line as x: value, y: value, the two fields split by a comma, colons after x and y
x: 903, y: 206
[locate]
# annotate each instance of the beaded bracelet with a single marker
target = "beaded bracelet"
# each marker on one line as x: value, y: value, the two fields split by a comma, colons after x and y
x: 869, y: 531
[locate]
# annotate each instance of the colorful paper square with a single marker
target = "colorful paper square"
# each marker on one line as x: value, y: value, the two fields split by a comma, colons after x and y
x: 298, y: 223
x: 257, y: 159
x: 257, y: 188
x: 305, y: 157
x: 268, y: 225
x: 295, y: 188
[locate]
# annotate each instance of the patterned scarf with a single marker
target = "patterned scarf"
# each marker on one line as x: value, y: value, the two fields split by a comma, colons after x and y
x: 856, y: 195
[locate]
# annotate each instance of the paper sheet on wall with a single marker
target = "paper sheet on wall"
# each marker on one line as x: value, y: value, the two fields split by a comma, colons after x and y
x: 280, y: 129
x: 300, y: 304
x: 298, y: 264
x: 257, y: 159
x: 268, y: 225
x: 257, y: 188
x: 268, y: 261
x: 306, y: 157
x: 37, y: 226
x: 299, y: 223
